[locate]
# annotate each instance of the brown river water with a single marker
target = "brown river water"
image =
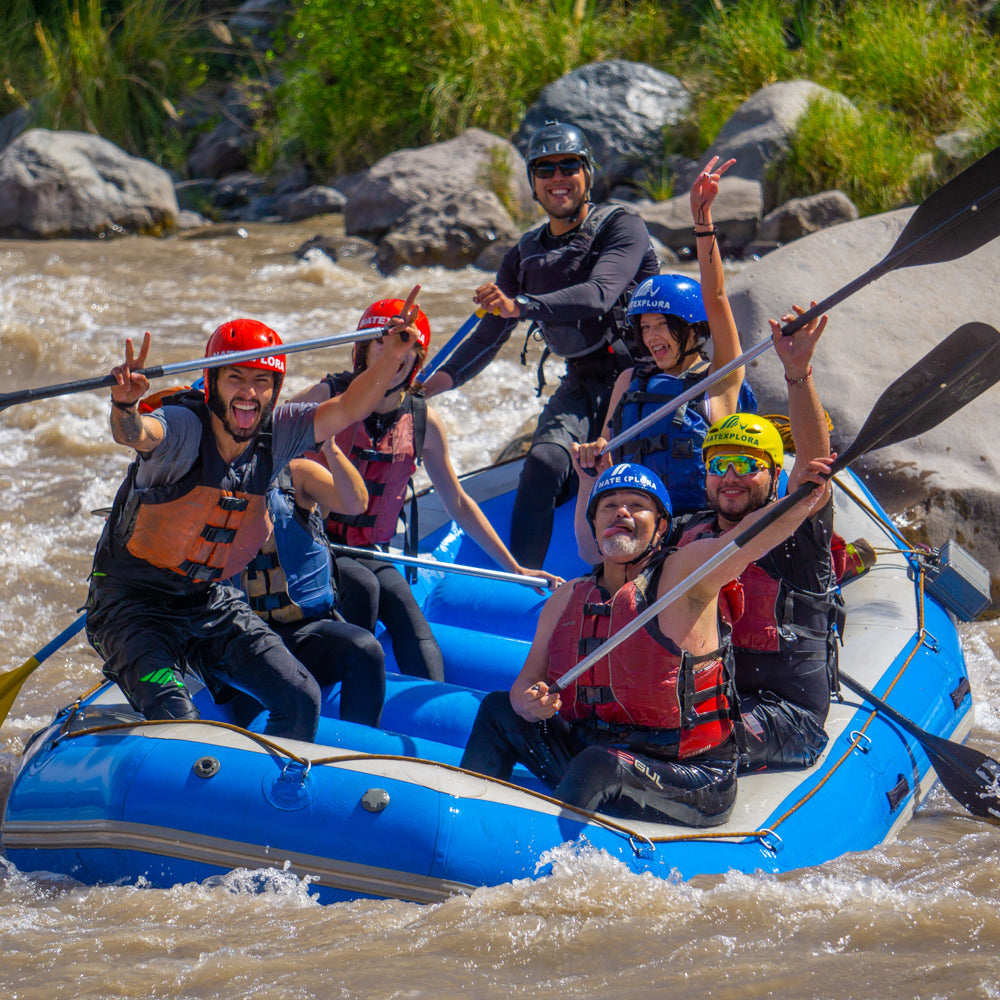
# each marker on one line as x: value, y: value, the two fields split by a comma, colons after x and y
x: 919, y: 918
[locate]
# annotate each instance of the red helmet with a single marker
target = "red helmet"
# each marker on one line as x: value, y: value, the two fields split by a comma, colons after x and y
x: 246, y: 335
x: 379, y: 313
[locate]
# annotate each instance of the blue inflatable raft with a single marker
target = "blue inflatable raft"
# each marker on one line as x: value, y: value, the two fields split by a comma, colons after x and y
x: 103, y: 796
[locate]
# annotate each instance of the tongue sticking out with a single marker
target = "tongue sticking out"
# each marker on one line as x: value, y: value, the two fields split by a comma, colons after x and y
x: 245, y: 416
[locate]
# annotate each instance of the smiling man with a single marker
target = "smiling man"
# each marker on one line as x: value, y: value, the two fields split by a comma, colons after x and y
x: 191, y: 514
x: 785, y: 644
x: 647, y: 732
x: 572, y: 278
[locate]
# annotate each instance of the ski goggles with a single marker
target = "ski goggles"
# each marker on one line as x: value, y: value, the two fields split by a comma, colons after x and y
x: 566, y: 168
x: 742, y: 465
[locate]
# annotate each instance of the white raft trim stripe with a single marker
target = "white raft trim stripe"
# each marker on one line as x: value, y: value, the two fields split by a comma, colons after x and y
x: 227, y: 854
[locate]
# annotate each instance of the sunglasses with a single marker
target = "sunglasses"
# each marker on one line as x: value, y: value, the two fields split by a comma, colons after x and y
x: 742, y: 465
x: 566, y: 168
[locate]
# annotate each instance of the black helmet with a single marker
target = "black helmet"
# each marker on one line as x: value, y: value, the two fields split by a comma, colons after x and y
x: 556, y: 137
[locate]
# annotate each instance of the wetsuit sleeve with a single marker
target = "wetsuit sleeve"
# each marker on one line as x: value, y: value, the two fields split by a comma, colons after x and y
x: 804, y: 558
x: 624, y: 255
x: 471, y: 357
x: 176, y: 453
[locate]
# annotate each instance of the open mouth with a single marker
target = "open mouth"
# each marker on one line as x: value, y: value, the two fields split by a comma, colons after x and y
x: 245, y: 414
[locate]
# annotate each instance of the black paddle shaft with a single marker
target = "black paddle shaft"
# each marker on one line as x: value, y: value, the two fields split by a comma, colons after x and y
x: 963, y: 366
x: 972, y: 777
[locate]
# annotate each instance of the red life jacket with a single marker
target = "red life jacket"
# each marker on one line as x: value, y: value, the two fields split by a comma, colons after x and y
x: 206, y: 526
x: 386, y: 465
x: 647, y: 682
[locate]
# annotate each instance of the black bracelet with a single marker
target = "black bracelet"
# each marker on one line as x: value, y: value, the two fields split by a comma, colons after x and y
x: 126, y: 407
x: 705, y: 232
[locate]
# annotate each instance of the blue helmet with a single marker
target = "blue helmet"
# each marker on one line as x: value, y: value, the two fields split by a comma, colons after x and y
x: 669, y: 294
x: 628, y: 476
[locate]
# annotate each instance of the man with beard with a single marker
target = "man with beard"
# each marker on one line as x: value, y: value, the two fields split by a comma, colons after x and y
x: 647, y: 732
x: 785, y: 644
x: 191, y: 514
x: 572, y: 277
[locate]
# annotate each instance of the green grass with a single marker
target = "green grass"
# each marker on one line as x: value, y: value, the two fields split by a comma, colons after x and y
x: 372, y: 76
x: 116, y: 72
x: 913, y: 70
x: 366, y: 77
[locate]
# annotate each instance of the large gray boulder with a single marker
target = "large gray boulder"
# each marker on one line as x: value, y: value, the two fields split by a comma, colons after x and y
x: 66, y: 184
x: 622, y: 107
x: 947, y: 478
x: 448, y: 232
x: 757, y: 134
x: 411, y: 177
x: 736, y: 214
x: 801, y: 216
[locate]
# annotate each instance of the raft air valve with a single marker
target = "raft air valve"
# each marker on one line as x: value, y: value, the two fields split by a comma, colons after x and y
x: 206, y: 767
x: 375, y: 799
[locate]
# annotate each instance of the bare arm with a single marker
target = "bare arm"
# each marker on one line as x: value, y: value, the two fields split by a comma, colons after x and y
x: 586, y: 544
x: 460, y: 506
x: 128, y: 426
x: 338, y: 488
x: 724, y: 395
x: 439, y: 382
x: 529, y: 695
x: 690, y: 557
x: 588, y: 462
x: 805, y: 411
x: 367, y: 389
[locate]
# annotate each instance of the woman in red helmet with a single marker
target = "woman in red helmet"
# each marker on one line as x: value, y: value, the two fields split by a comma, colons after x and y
x: 192, y: 513
x: 387, y: 447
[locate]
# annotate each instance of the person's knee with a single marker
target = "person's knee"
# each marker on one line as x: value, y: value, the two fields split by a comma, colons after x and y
x: 298, y: 704
x: 546, y: 463
x: 158, y: 693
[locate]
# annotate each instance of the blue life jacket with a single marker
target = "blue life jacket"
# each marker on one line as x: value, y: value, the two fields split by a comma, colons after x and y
x: 672, y: 446
x: 291, y: 578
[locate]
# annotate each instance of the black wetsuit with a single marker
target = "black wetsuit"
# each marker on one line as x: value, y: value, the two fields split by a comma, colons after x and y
x: 578, y: 286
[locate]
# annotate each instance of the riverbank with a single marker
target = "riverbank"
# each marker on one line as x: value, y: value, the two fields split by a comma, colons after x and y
x: 328, y: 88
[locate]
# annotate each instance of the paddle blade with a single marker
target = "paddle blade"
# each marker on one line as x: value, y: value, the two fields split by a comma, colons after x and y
x: 958, y: 218
x: 10, y: 682
x: 972, y: 777
x: 963, y: 366
x: 10, y: 685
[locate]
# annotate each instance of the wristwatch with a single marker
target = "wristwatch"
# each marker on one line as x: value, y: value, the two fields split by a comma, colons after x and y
x: 522, y: 302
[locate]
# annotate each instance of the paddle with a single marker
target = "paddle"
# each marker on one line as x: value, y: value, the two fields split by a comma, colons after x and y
x: 199, y: 364
x: 958, y: 218
x: 972, y: 777
x: 11, y: 681
x: 394, y: 557
x: 457, y: 337
x: 962, y: 366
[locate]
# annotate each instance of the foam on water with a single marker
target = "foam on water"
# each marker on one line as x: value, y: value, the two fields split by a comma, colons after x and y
x: 917, y: 918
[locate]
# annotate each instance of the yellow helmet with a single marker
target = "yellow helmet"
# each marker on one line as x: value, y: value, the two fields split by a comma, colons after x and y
x: 746, y: 430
